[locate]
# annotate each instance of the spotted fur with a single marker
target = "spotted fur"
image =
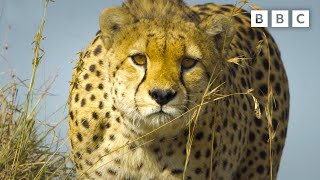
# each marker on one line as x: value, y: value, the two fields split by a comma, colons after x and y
x: 112, y: 102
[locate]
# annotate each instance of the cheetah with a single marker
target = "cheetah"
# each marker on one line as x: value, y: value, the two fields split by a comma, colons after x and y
x: 171, y: 91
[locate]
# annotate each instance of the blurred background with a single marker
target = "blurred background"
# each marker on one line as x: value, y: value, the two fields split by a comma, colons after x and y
x: 70, y: 25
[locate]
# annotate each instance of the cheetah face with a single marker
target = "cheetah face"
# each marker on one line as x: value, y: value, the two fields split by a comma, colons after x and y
x: 157, y: 77
x: 158, y: 70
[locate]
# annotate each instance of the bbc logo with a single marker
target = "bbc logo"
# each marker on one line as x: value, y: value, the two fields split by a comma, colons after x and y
x: 280, y: 18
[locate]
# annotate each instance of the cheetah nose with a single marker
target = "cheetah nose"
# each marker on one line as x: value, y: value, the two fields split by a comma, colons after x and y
x: 162, y: 96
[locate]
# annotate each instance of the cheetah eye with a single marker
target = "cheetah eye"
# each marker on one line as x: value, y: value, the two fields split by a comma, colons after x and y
x: 188, y: 63
x: 139, y: 59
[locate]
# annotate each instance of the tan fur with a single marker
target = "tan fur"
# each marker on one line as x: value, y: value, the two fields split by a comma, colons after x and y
x: 111, y: 107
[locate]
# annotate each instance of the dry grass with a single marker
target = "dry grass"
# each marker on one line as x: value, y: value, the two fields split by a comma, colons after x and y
x: 25, y: 152
x: 269, y: 109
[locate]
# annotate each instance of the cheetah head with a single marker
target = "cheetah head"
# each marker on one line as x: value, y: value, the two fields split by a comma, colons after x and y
x: 159, y: 67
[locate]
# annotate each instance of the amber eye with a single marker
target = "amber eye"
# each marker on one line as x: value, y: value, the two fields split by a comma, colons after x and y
x: 139, y: 59
x: 188, y: 63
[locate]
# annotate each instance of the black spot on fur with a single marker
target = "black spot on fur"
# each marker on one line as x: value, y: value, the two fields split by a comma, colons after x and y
x: 243, y: 82
x: 265, y: 63
x: 244, y: 169
x: 277, y: 64
x: 239, y: 20
x: 76, y: 98
x: 85, y: 123
x: 89, y: 150
x: 111, y: 137
x: 199, y: 135
x: 233, y: 73
x: 83, y: 102
x: 176, y: 171
x: 225, y: 123
x: 208, y: 153
x: 85, y: 76
x: 224, y: 164
x: 98, y: 50
x: 258, y: 122
x: 98, y: 73
x: 107, y: 125
x: 278, y: 149
x: 259, y: 75
x: 71, y: 115
x: 78, y: 154
x: 88, y: 87
x: 107, y: 115
x: 92, y: 68
x: 101, y: 126
x: 251, y: 34
x: 95, y: 138
x: 92, y: 97
x: 248, y: 152
x: 100, y: 86
x: 239, y: 36
x: 133, y: 146
x: 100, y: 105
x: 260, y: 169
x: 112, y: 172
x: 98, y: 173
x: 170, y: 153
x: 139, y: 166
x: 244, y: 107
x: 162, y: 139
x: 242, y: 30
x: 198, y: 170
x: 265, y: 137
x: 234, y: 126
x: 278, y: 88
x: 79, y: 136
x: 225, y: 9
x: 259, y: 35
x: 197, y: 155
x: 263, y: 155
x: 156, y: 150
x: 271, y: 50
x: 263, y: 90
x: 218, y: 129
x: 252, y: 136
x: 274, y: 123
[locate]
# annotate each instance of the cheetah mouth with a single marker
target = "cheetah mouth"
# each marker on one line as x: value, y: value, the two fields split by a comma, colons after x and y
x: 159, y: 113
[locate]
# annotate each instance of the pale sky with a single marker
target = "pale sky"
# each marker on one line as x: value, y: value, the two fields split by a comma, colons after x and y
x: 71, y: 24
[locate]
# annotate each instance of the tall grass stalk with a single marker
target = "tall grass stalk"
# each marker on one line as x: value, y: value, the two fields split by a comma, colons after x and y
x: 24, y: 151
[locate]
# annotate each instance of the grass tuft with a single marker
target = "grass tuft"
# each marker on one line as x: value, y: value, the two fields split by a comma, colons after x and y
x: 25, y: 152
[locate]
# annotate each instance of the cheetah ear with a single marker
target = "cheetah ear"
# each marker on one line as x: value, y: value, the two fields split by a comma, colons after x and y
x: 221, y: 29
x: 111, y: 21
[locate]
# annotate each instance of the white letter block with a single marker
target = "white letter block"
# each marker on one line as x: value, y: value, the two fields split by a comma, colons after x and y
x: 300, y: 18
x: 259, y: 18
x: 280, y: 18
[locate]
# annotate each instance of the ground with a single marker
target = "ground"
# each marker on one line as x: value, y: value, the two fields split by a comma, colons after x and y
x: 162, y: 81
